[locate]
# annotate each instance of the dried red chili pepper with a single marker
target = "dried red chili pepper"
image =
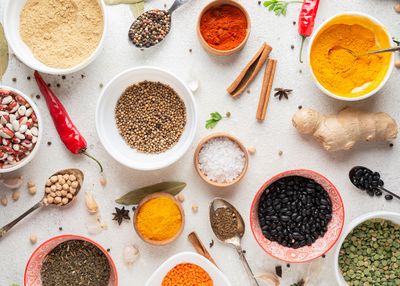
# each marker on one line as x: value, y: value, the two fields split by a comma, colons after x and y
x: 307, y: 16
x: 69, y: 134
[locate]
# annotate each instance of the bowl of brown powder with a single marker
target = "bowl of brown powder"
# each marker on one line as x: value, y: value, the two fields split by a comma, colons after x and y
x: 55, y: 36
x: 146, y: 118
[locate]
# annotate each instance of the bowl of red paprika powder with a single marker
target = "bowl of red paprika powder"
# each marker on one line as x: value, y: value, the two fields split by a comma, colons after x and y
x: 223, y: 27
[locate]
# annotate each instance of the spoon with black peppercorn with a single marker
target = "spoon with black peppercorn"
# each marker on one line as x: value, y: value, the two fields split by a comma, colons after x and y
x: 60, y: 190
x: 150, y: 28
x: 228, y: 226
x: 369, y: 181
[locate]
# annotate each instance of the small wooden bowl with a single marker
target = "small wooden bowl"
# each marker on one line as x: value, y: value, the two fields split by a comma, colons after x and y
x: 197, y: 163
x: 215, y: 51
x: 140, y: 205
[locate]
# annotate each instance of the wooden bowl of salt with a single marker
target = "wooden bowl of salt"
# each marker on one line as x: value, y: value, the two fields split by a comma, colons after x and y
x: 221, y: 160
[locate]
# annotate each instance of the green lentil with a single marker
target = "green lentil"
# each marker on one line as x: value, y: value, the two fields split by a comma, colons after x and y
x: 370, y: 254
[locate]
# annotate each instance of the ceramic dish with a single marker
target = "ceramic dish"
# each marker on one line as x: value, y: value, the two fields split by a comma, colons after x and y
x: 216, y: 275
x: 351, y: 17
x: 35, y: 149
x: 11, y: 18
x: 321, y: 245
x: 108, y: 131
x: 212, y: 50
x: 391, y: 216
x: 145, y: 200
x: 201, y: 173
x: 34, y: 265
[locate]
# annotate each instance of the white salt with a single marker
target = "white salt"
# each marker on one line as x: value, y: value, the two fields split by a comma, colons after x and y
x: 221, y: 160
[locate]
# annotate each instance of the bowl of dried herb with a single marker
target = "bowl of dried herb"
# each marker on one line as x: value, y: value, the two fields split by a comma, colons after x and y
x: 69, y: 259
x: 368, y: 252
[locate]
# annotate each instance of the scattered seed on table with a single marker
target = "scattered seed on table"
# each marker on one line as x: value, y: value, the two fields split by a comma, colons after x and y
x: 190, y: 50
x: 37, y: 96
x: 14, y: 79
x: 212, y: 243
x: 28, y: 78
x: 48, y: 143
x: 63, y: 77
x: 60, y: 228
x: 300, y: 107
x: 391, y: 145
x: 150, y: 116
x: 150, y: 28
x: 388, y: 197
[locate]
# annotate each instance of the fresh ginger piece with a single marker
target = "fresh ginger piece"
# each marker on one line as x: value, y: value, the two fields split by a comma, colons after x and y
x: 342, y: 131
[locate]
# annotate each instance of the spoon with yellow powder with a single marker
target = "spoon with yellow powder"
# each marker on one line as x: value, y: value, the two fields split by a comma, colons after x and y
x: 357, y: 55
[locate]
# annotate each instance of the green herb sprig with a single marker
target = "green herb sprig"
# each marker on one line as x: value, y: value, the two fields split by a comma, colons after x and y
x: 279, y: 7
x: 215, y: 118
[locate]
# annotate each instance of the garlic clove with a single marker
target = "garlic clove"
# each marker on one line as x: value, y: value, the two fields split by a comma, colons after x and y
x: 95, y: 225
x: 270, y: 278
x: 91, y: 203
x: 193, y: 85
x: 131, y: 254
x: 13, y: 183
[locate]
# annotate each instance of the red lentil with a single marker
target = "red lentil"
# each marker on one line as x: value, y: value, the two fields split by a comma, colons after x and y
x: 187, y: 274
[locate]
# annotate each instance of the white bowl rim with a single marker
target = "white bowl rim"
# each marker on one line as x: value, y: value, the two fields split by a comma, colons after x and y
x: 192, y: 132
x: 58, y: 71
x: 388, y: 72
x: 35, y: 149
x: 353, y: 224
x: 190, y: 256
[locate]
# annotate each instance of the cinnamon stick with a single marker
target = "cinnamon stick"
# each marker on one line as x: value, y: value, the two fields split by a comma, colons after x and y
x: 199, y: 247
x: 268, y: 81
x: 248, y: 74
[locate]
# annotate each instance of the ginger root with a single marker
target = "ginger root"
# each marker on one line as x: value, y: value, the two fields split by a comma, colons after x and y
x: 342, y: 131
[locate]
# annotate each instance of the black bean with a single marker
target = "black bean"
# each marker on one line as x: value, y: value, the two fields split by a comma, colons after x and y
x: 388, y: 197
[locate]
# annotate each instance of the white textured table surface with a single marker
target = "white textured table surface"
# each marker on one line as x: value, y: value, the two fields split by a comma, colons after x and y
x: 215, y: 74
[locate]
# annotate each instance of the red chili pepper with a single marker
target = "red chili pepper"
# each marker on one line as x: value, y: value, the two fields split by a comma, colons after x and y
x: 307, y: 16
x: 66, y: 129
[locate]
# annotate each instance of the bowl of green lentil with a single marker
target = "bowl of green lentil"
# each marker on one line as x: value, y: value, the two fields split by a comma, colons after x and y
x: 368, y: 252
x: 146, y: 118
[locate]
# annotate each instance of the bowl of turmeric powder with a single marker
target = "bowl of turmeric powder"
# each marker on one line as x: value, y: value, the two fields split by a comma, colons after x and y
x: 223, y: 27
x: 159, y: 219
x: 337, y: 59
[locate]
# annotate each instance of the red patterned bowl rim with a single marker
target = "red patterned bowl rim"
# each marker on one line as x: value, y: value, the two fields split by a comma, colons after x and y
x: 72, y: 237
x: 296, y: 172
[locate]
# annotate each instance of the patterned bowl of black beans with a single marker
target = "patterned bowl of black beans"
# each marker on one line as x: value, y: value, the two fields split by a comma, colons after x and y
x: 297, y: 216
x: 146, y: 118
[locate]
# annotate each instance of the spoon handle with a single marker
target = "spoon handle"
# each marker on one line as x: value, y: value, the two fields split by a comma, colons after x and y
x: 246, y: 265
x: 389, y: 192
x: 7, y: 227
x: 176, y: 5
x: 394, y: 49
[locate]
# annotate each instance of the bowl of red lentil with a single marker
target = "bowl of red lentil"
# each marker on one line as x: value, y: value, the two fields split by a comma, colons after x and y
x: 146, y: 118
x: 188, y: 268
x: 223, y: 27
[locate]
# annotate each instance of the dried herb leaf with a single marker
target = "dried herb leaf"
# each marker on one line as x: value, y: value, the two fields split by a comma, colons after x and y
x: 116, y: 2
x: 3, y: 53
x: 135, y: 196
x: 137, y: 8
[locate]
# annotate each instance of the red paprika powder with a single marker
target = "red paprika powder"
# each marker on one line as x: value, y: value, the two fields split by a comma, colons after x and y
x: 223, y: 27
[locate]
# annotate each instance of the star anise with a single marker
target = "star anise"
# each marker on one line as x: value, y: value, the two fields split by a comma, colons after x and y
x: 282, y: 93
x: 120, y: 215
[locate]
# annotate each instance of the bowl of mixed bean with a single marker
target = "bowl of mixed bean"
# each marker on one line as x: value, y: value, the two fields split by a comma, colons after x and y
x: 20, y: 129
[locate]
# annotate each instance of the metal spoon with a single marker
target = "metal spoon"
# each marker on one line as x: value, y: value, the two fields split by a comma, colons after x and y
x: 175, y: 5
x: 388, y: 50
x: 77, y: 173
x: 352, y: 175
x: 235, y: 241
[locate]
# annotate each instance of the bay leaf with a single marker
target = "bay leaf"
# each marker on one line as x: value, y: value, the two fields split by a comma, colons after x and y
x: 137, y: 9
x: 135, y: 196
x: 3, y: 52
x: 116, y: 2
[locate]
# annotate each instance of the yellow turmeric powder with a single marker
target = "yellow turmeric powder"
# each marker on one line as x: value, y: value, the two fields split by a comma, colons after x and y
x: 340, y: 71
x: 159, y: 219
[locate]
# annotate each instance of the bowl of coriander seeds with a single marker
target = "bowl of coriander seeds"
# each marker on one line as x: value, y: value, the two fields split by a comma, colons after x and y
x: 146, y: 118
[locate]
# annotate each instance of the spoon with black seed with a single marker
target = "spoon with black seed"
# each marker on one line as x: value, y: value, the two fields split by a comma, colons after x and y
x: 150, y: 28
x: 370, y: 181
x: 228, y: 226
x: 74, y: 182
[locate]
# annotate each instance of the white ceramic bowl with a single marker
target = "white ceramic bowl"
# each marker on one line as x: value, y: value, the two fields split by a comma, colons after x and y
x: 392, y: 216
x: 11, y: 17
x: 107, y: 127
x: 34, y: 151
x: 216, y: 275
x: 388, y: 72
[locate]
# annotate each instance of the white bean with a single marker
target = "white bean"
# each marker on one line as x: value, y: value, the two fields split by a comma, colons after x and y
x: 29, y: 112
x: 7, y: 100
x: 22, y: 110
x: 23, y: 128
x: 19, y: 136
